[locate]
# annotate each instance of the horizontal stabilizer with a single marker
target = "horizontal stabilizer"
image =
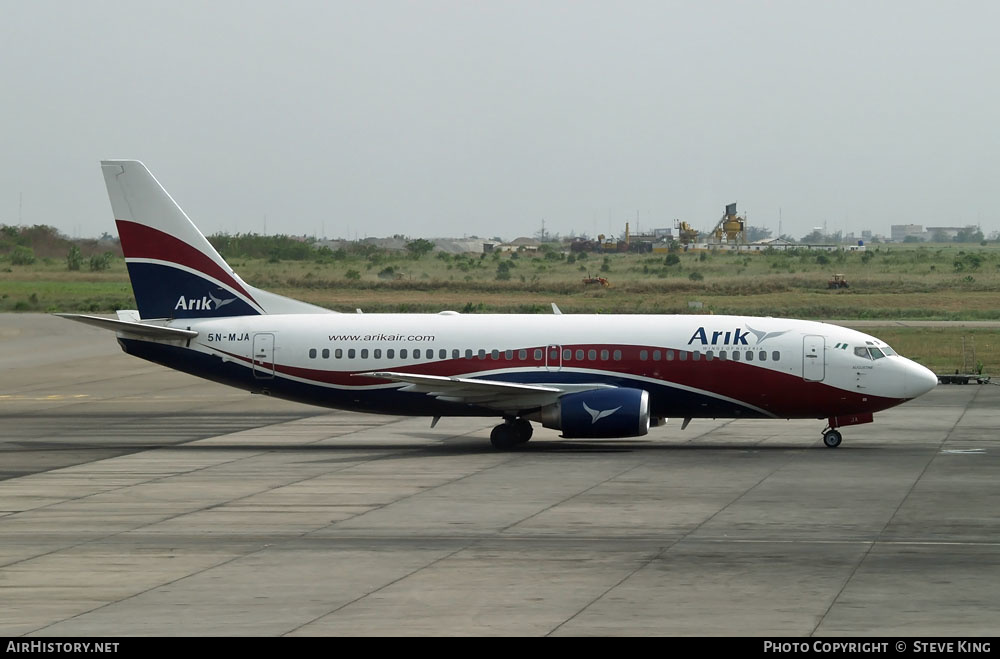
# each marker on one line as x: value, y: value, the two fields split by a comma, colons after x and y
x: 140, y: 329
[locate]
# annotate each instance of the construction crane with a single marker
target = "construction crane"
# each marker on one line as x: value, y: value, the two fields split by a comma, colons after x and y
x: 686, y: 234
x: 731, y: 228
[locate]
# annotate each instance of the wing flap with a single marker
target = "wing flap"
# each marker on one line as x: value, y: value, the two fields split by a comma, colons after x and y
x: 504, y: 396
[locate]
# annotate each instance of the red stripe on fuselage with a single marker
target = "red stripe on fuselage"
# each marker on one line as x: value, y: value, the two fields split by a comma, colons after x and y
x: 142, y: 242
x: 783, y: 394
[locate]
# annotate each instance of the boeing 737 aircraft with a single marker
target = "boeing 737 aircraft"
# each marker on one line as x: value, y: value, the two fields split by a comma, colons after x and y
x: 590, y: 376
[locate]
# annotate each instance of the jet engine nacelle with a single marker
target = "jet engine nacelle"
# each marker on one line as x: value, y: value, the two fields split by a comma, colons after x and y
x: 599, y: 413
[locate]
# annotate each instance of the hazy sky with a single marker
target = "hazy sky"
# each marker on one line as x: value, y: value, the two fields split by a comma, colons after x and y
x: 458, y: 118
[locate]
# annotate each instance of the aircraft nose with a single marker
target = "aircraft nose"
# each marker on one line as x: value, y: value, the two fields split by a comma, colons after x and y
x: 918, y: 380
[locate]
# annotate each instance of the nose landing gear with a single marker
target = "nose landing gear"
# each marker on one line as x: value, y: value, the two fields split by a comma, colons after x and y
x: 831, y: 438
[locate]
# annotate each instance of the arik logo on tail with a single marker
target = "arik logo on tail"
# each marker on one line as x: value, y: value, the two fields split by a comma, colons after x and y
x: 736, y: 337
x: 595, y: 415
x: 204, y: 303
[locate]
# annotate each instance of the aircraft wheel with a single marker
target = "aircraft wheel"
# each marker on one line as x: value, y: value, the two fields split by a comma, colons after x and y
x: 504, y: 437
x: 832, y: 438
x: 522, y: 428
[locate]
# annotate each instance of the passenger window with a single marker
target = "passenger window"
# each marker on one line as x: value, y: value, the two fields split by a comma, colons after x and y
x: 775, y: 356
x: 695, y: 356
x: 592, y: 355
x: 350, y: 353
x: 710, y: 355
x: 579, y: 355
x: 644, y: 355
x: 618, y: 355
x: 862, y: 352
x: 682, y: 354
x: 508, y: 354
x: 416, y: 353
x: 364, y: 353
x: 442, y: 354
x: 736, y: 355
x: 312, y: 353
x: 326, y: 353
x: 338, y: 353
x: 482, y: 353
x: 567, y: 354
x: 604, y: 355
x: 670, y: 355
x: 468, y: 354
x: 722, y: 355
x: 495, y: 354
x: 455, y: 354
x: 522, y: 355
x: 656, y: 355
x: 402, y: 353
x: 762, y: 355
x: 750, y: 355
x: 390, y: 353
x: 377, y: 353
x: 538, y: 354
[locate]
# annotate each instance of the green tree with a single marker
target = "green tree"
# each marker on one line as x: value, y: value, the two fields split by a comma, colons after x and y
x: 419, y: 247
x: 74, y: 259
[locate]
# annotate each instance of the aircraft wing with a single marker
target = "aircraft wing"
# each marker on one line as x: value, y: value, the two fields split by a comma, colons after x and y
x: 504, y: 396
x: 141, y: 329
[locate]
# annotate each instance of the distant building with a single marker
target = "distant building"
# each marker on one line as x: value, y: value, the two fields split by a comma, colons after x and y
x: 948, y: 233
x: 899, y: 232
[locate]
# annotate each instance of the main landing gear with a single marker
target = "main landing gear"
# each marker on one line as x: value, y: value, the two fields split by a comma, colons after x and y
x: 510, y: 433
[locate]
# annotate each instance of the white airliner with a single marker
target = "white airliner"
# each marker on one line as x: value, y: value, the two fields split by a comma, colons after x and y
x: 587, y: 375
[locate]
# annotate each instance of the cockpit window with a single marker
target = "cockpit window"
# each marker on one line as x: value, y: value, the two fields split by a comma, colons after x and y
x: 889, y: 352
x: 862, y: 352
x: 875, y: 353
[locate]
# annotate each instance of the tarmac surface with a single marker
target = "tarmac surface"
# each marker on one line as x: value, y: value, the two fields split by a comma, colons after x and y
x: 135, y: 500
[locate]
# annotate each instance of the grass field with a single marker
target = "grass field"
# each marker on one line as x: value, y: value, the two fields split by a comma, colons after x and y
x: 915, y: 282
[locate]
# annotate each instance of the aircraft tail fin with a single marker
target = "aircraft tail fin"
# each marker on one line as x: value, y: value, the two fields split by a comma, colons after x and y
x: 175, y: 271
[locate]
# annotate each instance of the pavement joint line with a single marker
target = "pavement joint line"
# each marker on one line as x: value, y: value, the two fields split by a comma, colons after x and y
x: 158, y: 477
x: 670, y: 545
x: 210, y: 507
x: 376, y: 590
x: 167, y: 519
x: 877, y: 540
x: 469, y: 541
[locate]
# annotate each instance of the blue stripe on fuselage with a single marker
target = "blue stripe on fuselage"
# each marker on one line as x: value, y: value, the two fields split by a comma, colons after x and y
x: 665, y: 400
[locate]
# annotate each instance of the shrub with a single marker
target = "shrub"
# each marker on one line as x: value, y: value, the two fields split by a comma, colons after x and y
x: 100, y: 262
x: 22, y: 256
x: 74, y: 259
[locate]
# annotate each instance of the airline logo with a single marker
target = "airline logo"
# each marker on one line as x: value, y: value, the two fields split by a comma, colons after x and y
x: 595, y: 415
x: 735, y: 337
x: 205, y: 303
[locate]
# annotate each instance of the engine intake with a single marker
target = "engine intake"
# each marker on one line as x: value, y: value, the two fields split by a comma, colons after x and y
x: 600, y: 413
